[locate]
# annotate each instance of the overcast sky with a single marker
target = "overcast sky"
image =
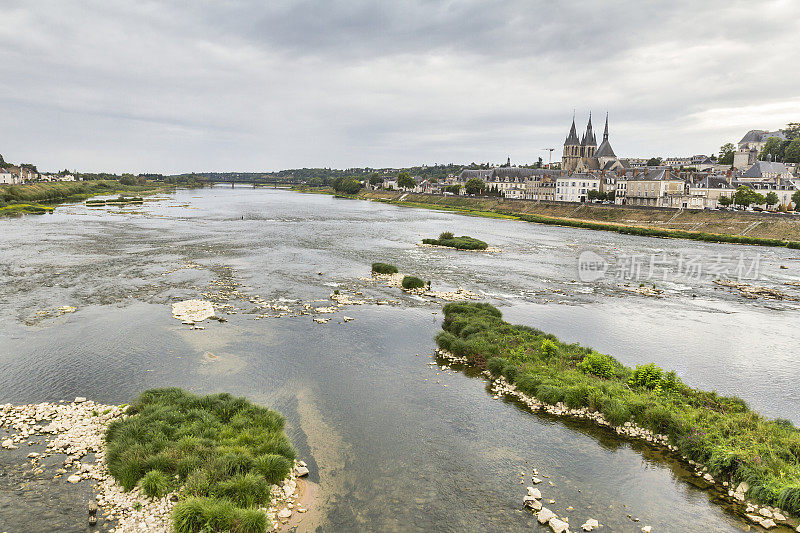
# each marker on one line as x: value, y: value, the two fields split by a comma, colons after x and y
x: 250, y: 85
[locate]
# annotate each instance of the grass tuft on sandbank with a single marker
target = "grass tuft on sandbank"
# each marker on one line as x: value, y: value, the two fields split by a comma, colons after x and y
x: 224, y: 452
x: 460, y: 243
x: 720, y: 432
x: 384, y: 268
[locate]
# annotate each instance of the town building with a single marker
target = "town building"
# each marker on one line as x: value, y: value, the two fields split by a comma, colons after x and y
x: 751, y: 144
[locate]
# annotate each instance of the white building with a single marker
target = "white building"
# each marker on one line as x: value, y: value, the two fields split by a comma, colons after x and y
x: 576, y: 187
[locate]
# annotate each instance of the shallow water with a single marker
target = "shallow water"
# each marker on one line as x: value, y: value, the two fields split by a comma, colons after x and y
x: 395, y: 444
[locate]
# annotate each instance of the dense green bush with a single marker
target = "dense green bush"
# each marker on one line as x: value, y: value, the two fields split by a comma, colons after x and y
x: 412, y: 282
x: 721, y: 432
x: 384, y: 268
x: 460, y: 243
x: 598, y: 364
x: 224, y: 450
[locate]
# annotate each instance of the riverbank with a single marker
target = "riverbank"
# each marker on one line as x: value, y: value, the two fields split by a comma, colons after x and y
x: 730, y: 447
x: 92, y: 437
x: 735, y: 227
x: 33, y: 198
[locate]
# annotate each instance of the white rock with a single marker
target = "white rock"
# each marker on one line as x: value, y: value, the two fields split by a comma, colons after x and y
x: 536, y: 493
x: 558, y: 526
x: 742, y: 487
x: 80, y: 399
x: 778, y: 516
x: 590, y: 524
x: 301, y: 471
x: 74, y: 478
x: 284, y: 513
x: 647, y: 529
x: 536, y: 481
x: 767, y: 523
x: 545, y: 515
x: 766, y: 513
x: 708, y: 477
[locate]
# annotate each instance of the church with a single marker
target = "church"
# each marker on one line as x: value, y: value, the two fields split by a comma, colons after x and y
x: 584, y: 155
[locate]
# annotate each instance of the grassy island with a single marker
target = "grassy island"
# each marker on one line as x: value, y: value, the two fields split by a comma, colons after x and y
x: 459, y: 243
x: 413, y: 282
x: 28, y: 198
x: 222, y: 452
x: 717, y: 431
x: 384, y: 268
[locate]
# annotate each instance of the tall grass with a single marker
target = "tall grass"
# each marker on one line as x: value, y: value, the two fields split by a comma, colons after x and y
x: 225, y: 451
x: 384, y: 268
x: 720, y: 432
x: 460, y: 243
x: 412, y: 282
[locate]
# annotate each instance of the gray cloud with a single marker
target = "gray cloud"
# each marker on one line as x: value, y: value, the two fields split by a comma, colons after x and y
x: 253, y: 85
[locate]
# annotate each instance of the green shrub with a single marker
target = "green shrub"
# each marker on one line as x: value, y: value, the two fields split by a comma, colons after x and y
x: 155, y: 484
x: 412, y: 282
x: 460, y: 243
x: 445, y: 235
x: 597, y: 364
x: 549, y: 349
x: 384, y: 268
x: 646, y: 376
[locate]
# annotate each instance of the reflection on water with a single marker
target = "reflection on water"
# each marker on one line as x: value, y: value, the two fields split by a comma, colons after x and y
x: 394, y: 444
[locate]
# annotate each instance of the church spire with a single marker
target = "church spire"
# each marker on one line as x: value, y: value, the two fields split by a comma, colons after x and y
x: 572, y: 138
x: 605, y: 133
x: 588, y: 138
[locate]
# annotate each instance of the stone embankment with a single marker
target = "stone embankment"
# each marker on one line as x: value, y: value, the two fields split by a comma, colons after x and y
x: 765, y: 516
x: 76, y: 430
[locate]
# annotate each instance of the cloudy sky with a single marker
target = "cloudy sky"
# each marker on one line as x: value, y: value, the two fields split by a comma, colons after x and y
x: 250, y: 85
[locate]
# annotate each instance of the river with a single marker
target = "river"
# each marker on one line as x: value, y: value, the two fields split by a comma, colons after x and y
x: 395, y: 444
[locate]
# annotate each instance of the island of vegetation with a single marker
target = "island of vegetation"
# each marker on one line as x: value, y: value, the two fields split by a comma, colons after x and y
x: 722, y: 433
x: 38, y: 198
x: 221, y: 453
x: 448, y: 240
x: 384, y: 268
x: 413, y: 282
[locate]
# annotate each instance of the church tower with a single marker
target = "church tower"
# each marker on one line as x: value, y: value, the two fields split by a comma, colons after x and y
x: 589, y: 142
x: 572, y: 149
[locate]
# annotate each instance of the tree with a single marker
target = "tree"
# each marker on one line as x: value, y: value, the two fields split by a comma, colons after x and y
x: 596, y: 195
x: 611, y: 195
x: 771, y: 198
x: 347, y: 185
x: 796, y: 199
x: 654, y: 162
x: 792, y: 152
x: 725, y: 201
x: 474, y: 186
x: 745, y: 196
x: 375, y: 179
x: 454, y: 189
x: 726, y: 152
x: 774, y: 147
x: 405, y: 181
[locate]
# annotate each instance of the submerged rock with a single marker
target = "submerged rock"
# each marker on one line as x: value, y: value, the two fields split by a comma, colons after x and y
x: 192, y: 310
x: 545, y: 515
x: 590, y: 525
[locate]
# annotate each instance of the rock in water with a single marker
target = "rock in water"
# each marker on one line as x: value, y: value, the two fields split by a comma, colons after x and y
x: 558, y: 526
x: 284, y: 514
x: 545, y: 515
x: 590, y: 525
x: 301, y: 471
x: 192, y: 310
x: 536, y: 493
x: 74, y: 478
